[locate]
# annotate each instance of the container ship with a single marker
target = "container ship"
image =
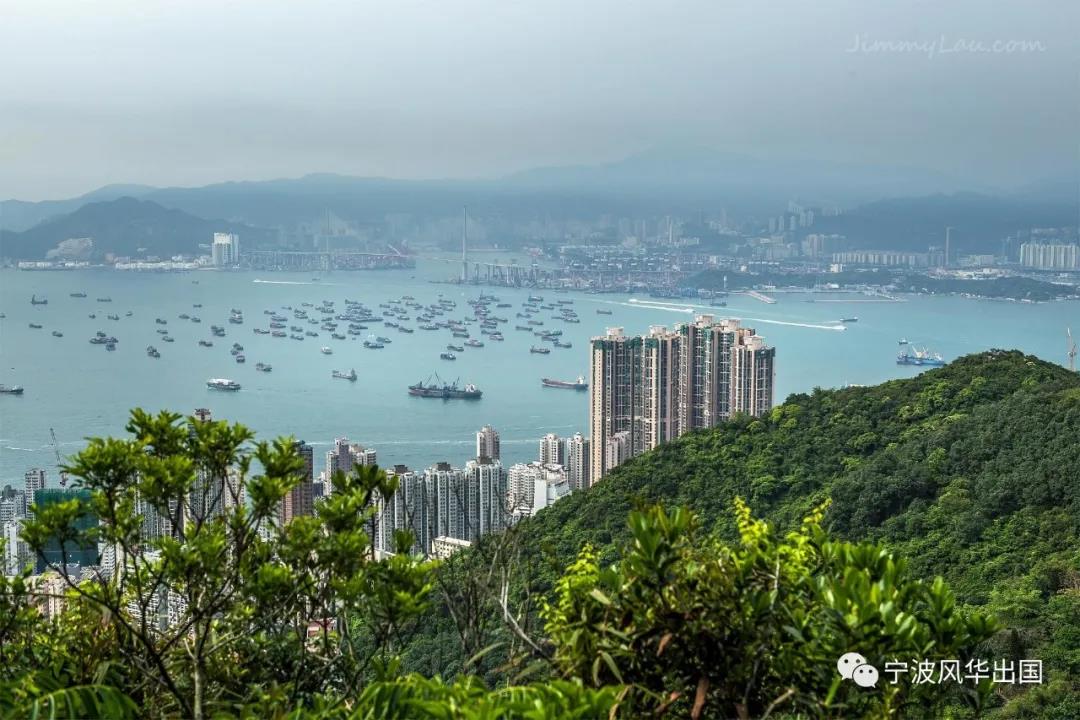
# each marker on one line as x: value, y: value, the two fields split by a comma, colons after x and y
x: 445, y: 391
x: 580, y: 384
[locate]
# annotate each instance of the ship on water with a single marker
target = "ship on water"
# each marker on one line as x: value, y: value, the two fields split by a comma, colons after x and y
x: 350, y: 376
x: 444, y: 390
x: 579, y: 384
x: 919, y: 356
x: 11, y: 390
x: 223, y: 384
x: 34, y: 300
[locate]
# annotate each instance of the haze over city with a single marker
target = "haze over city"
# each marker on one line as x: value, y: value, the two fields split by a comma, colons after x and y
x: 201, y: 92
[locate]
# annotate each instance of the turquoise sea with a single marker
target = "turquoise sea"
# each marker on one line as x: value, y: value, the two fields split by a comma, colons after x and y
x: 81, y: 390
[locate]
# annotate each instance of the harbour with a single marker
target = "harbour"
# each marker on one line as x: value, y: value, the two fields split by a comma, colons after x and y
x: 309, y: 401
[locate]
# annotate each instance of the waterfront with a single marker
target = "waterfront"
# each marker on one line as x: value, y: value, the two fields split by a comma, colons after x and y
x: 80, y: 389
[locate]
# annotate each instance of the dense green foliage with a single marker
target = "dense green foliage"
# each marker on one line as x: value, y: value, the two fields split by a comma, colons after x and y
x: 971, y: 471
x: 706, y: 629
x: 871, y: 496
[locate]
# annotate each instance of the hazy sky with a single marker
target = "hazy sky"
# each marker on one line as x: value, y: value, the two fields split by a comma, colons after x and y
x: 185, y: 93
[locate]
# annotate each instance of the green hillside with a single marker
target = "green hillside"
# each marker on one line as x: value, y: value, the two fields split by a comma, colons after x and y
x: 971, y: 471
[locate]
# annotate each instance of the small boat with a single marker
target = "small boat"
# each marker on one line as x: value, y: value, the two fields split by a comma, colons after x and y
x: 373, y: 345
x: 162, y: 332
x: 184, y: 316
x: 350, y: 376
x: 311, y: 333
x: 474, y: 343
x: 104, y: 299
x: 603, y: 312
x: 263, y: 367
x: 93, y: 316
x: 159, y: 321
x: 152, y: 351
x: 166, y: 338
x: 11, y: 390
x: 540, y: 350
x: 129, y: 313
x: 35, y: 326
x: 223, y: 384
x: 34, y: 300
x: 206, y: 343
x: 326, y: 350
x: 455, y: 348
x: 57, y: 333
x: 78, y: 294
x: 849, y: 320
x: 196, y: 320
x: 110, y: 346
x: 113, y: 317
x: 197, y: 305
x: 384, y: 340
x: 240, y: 358
x: 337, y: 336
x: 448, y: 356
x: 562, y: 344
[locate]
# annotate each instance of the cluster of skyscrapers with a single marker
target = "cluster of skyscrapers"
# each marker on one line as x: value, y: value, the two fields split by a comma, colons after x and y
x: 649, y: 389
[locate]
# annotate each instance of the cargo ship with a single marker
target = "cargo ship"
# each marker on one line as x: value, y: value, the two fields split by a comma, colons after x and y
x: 445, y: 391
x: 223, y: 384
x: 350, y: 376
x: 921, y: 357
x: 580, y: 384
x: 11, y: 390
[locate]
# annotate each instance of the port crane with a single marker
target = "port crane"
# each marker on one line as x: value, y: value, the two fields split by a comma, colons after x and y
x: 1070, y: 349
x: 59, y: 461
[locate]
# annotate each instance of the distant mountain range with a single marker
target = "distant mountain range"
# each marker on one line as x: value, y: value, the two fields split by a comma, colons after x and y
x: 979, y: 222
x: 892, y: 207
x: 125, y: 226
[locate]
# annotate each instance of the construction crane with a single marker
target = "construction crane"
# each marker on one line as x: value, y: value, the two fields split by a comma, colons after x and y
x: 1070, y: 345
x: 59, y: 461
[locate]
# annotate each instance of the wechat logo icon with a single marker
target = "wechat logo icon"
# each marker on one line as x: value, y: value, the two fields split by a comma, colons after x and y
x: 853, y: 666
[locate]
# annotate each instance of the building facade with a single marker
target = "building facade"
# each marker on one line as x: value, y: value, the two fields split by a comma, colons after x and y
x: 647, y: 390
x: 487, y: 443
